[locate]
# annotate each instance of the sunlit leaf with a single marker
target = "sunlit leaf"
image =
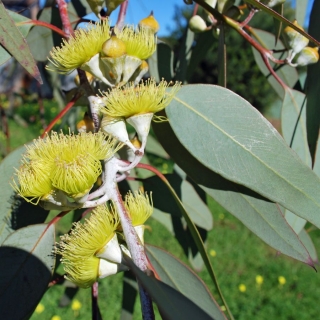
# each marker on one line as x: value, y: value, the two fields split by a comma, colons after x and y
x: 261, y: 216
x: 23, y: 28
x: 233, y: 139
x: 180, y: 277
x: 26, y: 267
x: 13, y: 41
x: 301, y: 10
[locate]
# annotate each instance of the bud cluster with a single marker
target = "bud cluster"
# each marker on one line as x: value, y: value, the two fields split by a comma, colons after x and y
x: 299, y: 50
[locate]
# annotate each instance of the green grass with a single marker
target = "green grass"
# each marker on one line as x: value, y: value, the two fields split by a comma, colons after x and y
x: 239, y: 257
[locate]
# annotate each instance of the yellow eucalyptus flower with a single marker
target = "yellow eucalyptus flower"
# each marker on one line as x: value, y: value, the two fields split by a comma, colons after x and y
x: 140, y: 207
x: 80, y: 248
x: 83, y: 273
x: 80, y: 48
x: 133, y: 100
x: 33, y: 181
x: 139, y: 43
x: 89, y: 238
x: 70, y: 163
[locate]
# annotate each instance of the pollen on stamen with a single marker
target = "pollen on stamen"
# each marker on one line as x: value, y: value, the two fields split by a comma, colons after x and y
x: 139, y: 206
x: 139, y: 43
x: 132, y: 100
x: 80, y: 48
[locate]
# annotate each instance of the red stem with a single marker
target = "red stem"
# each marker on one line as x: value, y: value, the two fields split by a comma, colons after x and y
x: 44, y: 24
x: 122, y: 14
x: 61, y: 114
x: 63, y: 9
x: 195, y: 9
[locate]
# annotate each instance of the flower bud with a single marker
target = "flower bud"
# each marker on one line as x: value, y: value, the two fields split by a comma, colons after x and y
x: 296, y: 40
x: 150, y: 22
x: 113, y: 47
x: 308, y: 55
x: 197, y: 24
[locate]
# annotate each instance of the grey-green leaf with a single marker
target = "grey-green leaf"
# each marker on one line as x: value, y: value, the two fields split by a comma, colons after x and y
x: 261, y: 216
x: 13, y: 41
x: 307, y: 241
x: 180, y: 277
x: 229, y: 136
x: 313, y: 85
x: 26, y: 266
x: 23, y: 28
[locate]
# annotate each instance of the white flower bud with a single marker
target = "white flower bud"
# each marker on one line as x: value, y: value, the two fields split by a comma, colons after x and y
x: 308, y: 55
x: 197, y: 24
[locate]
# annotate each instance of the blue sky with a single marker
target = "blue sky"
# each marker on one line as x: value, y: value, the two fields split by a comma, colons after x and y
x: 164, y: 11
x: 139, y: 9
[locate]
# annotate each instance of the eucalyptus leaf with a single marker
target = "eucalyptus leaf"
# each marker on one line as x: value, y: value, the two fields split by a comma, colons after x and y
x: 161, y: 62
x: 313, y: 86
x: 180, y: 277
x: 261, y: 216
x: 233, y: 139
x: 307, y: 241
x: 293, y: 124
x: 26, y: 266
x: 171, y: 303
x: 301, y: 10
x: 23, y: 28
x: 294, y: 131
x: 129, y: 296
x: 13, y: 41
x: 184, y: 55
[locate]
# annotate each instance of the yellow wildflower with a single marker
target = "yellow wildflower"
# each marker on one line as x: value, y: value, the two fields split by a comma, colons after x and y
x: 40, y: 308
x: 242, y: 288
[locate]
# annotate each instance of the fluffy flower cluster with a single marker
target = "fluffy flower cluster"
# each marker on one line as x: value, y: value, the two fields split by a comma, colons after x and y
x: 91, y: 250
x: 114, y: 59
x: 67, y: 163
